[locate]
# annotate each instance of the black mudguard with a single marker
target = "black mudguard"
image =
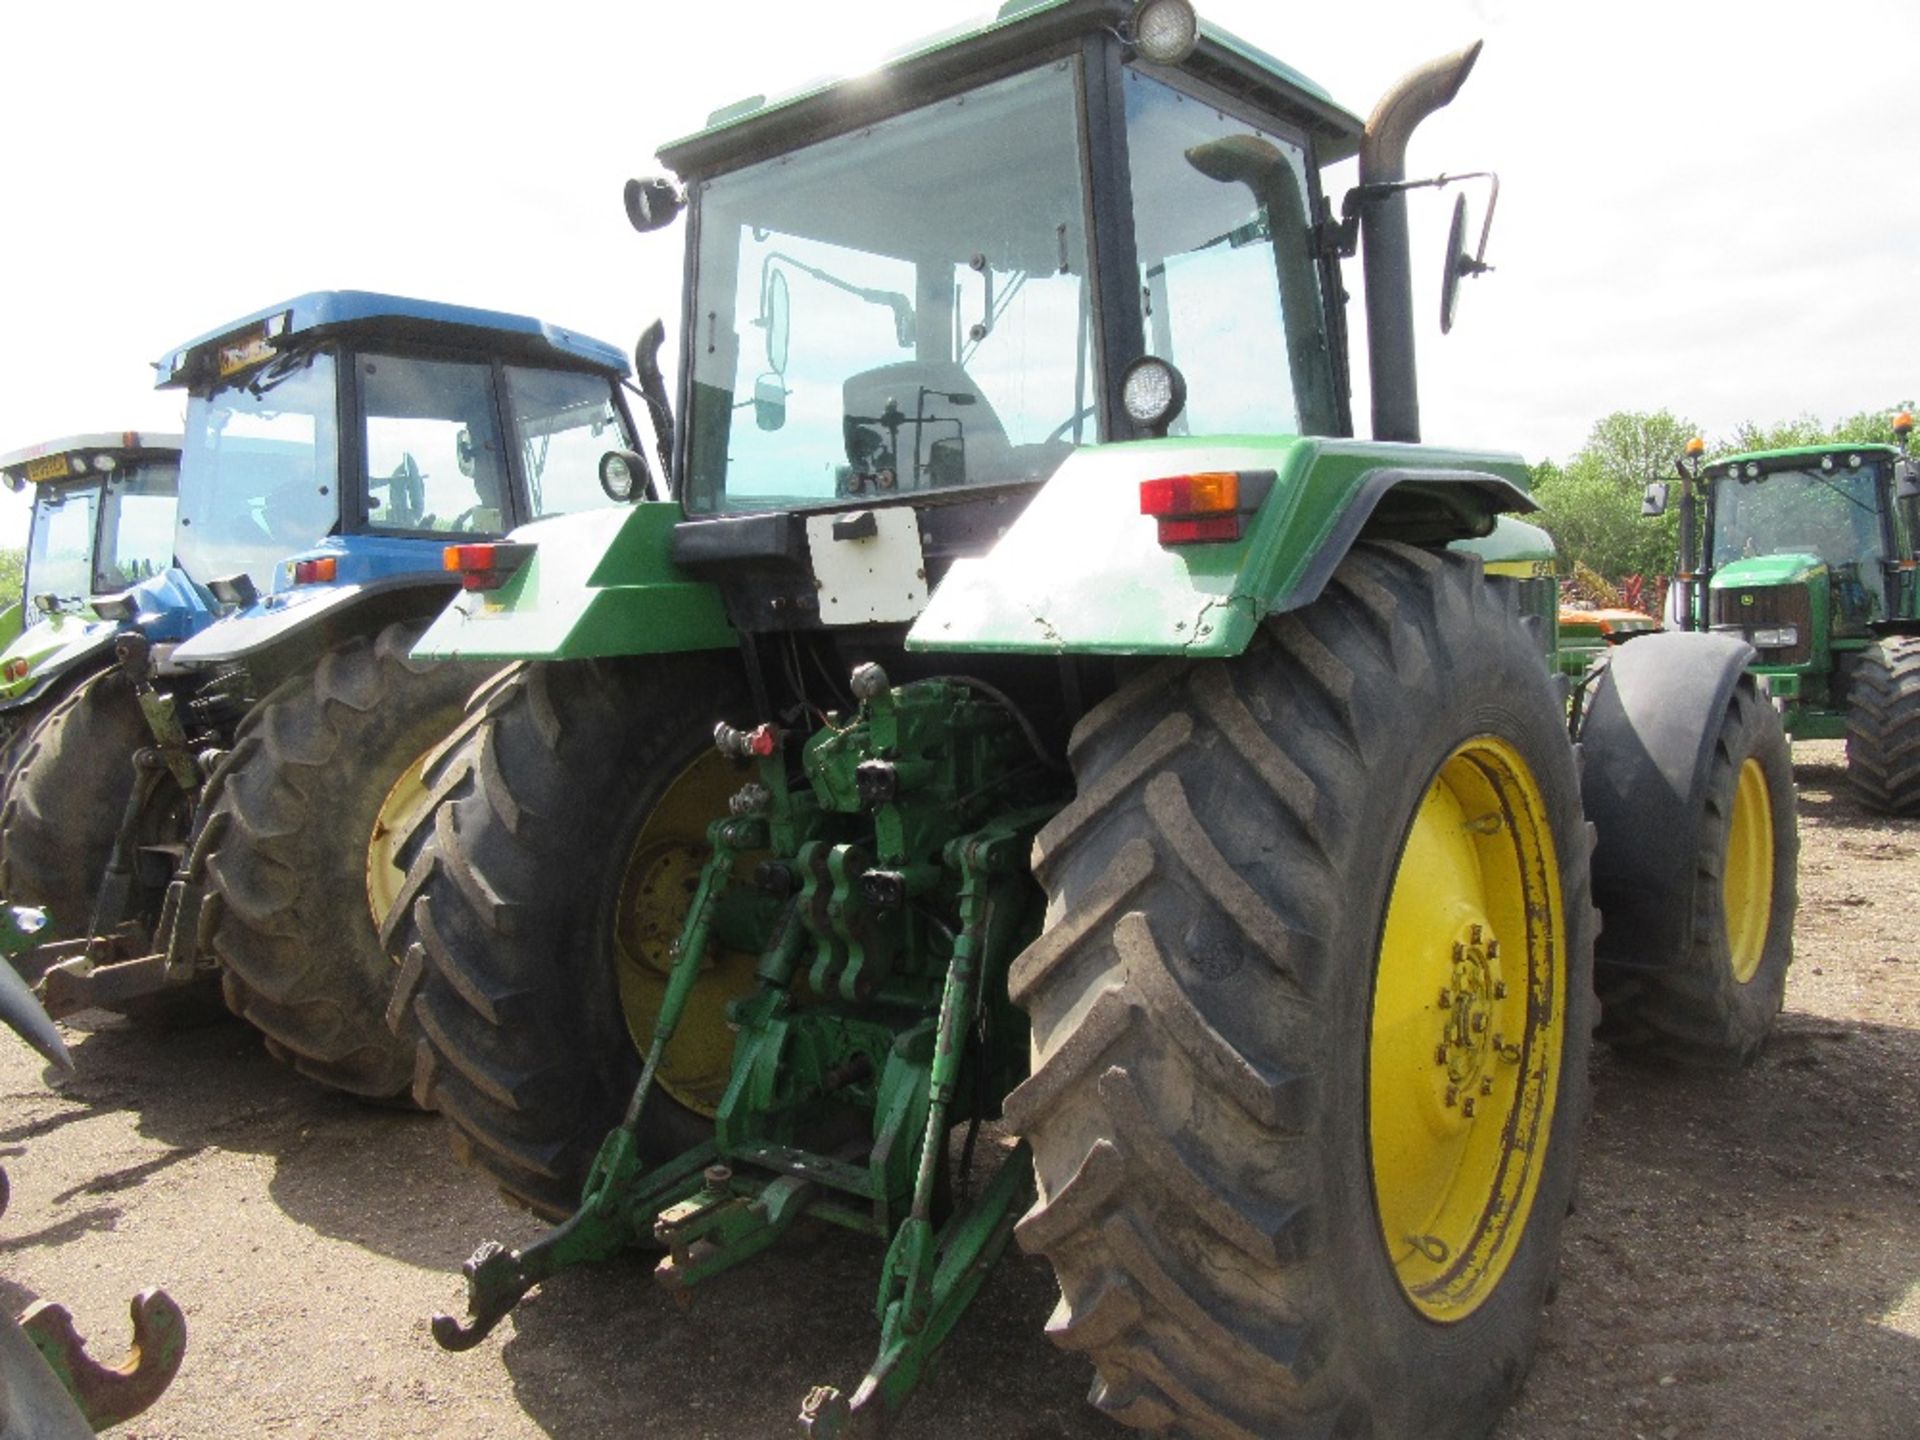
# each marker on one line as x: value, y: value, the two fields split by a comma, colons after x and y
x: 1647, y: 737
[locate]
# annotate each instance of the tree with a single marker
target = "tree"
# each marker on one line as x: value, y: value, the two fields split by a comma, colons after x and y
x: 1869, y: 427
x: 13, y: 569
x: 1591, y: 507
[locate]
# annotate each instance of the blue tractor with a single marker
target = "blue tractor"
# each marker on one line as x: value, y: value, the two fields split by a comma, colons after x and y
x: 335, y: 445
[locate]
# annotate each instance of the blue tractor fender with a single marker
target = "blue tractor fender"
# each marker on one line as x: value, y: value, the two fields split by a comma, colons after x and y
x: 373, y: 580
x: 1647, y: 736
x: 167, y: 608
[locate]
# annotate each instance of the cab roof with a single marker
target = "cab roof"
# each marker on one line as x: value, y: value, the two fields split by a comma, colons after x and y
x: 1784, y: 459
x: 757, y: 126
x: 121, y: 444
x: 323, y: 312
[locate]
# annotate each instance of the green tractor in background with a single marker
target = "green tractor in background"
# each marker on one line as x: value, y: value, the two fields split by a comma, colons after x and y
x: 101, y: 532
x: 1809, y: 555
x: 1039, y: 776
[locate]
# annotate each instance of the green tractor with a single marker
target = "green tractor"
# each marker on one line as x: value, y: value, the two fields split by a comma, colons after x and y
x: 1809, y: 555
x: 1040, y: 777
x: 101, y: 532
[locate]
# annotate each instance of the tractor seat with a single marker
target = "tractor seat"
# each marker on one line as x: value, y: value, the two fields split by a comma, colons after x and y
x: 937, y: 452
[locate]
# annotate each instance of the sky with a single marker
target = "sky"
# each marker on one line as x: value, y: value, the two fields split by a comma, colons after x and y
x: 1702, y: 208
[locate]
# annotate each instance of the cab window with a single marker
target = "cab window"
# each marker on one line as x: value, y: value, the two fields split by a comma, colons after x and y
x: 563, y: 422
x: 431, y: 445
x: 1229, y: 283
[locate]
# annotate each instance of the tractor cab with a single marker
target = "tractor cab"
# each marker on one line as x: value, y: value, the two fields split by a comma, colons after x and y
x: 906, y: 318
x: 932, y: 320
x: 336, y: 442
x: 1807, y: 554
x: 100, y: 555
x: 1788, y: 516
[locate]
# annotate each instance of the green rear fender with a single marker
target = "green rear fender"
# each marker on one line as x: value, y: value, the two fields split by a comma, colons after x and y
x: 50, y: 649
x: 1083, y: 571
x: 598, y: 583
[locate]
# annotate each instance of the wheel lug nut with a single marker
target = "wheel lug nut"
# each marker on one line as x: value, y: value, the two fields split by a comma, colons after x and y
x: 1479, y: 1023
x: 1459, y: 952
x: 1475, y: 933
x: 1466, y: 1107
x: 1499, y: 989
x: 1486, y: 1085
x: 1453, y: 1096
x: 1440, y: 1054
x: 1493, y: 949
x: 1446, y: 999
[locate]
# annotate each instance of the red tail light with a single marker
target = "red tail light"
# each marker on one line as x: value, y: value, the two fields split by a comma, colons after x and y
x: 315, y: 572
x: 485, y: 567
x: 1208, y: 507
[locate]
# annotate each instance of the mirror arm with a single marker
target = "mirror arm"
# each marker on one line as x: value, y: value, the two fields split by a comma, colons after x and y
x: 1360, y: 195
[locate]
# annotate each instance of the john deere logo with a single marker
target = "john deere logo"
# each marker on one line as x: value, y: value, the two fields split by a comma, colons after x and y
x: 1746, y: 599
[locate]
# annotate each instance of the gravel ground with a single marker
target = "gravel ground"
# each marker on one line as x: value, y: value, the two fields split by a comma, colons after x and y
x: 1745, y: 1261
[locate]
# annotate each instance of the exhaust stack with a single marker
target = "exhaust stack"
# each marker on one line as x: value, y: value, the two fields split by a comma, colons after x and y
x: 1387, y: 259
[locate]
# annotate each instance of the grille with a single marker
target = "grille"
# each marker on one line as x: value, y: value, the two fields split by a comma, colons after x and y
x: 1743, y: 609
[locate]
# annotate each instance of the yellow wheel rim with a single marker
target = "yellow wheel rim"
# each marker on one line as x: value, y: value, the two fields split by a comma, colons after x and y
x: 406, y: 805
x: 1746, y: 885
x: 656, y: 886
x: 1467, y: 1030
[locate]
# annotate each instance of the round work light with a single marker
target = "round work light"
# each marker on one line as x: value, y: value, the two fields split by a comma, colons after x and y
x: 620, y: 472
x: 1165, y: 31
x: 1153, y: 392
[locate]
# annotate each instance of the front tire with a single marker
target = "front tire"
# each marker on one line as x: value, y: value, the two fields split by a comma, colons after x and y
x: 295, y: 870
x: 1883, y: 727
x: 1279, y: 1060
x: 1711, y: 996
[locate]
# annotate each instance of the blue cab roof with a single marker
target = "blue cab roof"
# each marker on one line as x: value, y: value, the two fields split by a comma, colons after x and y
x: 369, y: 312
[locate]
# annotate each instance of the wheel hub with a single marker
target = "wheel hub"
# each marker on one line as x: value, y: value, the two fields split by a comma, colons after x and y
x: 1469, y: 1006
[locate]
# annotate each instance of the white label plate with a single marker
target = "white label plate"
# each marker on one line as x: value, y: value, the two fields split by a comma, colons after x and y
x: 878, y: 579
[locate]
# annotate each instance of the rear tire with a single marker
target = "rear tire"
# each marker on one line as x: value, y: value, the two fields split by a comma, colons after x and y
x: 1883, y: 727
x: 506, y: 937
x: 1713, y: 1000
x: 1222, y: 1002
x: 289, y: 915
x: 66, y: 798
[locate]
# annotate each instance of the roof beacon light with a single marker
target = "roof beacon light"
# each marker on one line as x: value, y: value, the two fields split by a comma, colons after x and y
x: 1165, y: 31
x: 1696, y: 447
x: 1903, y: 424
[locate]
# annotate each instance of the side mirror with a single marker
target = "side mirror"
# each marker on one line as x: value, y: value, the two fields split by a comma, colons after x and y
x: 463, y: 450
x: 1655, y: 501
x: 1906, y: 485
x: 775, y: 319
x: 1459, y: 263
x: 653, y: 203
x: 769, y: 402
